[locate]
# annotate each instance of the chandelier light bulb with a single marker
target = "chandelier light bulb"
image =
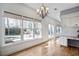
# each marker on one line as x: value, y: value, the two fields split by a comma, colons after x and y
x: 37, y: 10
x: 47, y: 8
x: 40, y: 12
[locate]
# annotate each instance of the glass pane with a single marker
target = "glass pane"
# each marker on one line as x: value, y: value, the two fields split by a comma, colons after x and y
x: 37, y: 33
x: 27, y: 24
x: 50, y: 30
x: 12, y: 30
x: 37, y: 25
x: 27, y: 30
x: 58, y: 30
x: 37, y: 30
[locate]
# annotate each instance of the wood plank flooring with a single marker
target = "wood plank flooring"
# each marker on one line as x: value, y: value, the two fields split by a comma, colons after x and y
x: 50, y: 48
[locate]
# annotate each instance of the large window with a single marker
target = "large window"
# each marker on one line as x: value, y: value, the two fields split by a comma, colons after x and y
x: 50, y: 31
x: 58, y: 30
x: 37, y: 30
x: 12, y: 30
x: 27, y: 30
x: 31, y: 30
x: 19, y: 28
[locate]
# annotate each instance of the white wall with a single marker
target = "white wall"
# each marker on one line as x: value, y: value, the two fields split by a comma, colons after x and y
x: 22, y: 10
x: 69, y: 22
x: 54, y: 14
x: 70, y: 19
x: 70, y: 31
x: 19, y: 9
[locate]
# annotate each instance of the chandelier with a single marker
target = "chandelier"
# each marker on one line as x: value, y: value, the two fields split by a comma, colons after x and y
x: 42, y: 11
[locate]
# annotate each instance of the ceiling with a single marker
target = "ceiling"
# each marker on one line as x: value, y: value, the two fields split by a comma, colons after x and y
x: 52, y: 6
x: 52, y: 12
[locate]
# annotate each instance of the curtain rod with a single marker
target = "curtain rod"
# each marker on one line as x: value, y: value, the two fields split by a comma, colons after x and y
x: 20, y: 15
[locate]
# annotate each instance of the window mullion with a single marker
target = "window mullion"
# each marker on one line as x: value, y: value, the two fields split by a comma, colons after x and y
x: 33, y: 30
x: 22, y: 29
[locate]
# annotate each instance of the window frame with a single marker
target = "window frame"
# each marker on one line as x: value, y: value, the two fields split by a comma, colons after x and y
x: 40, y: 29
x: 21, y: 34
x: 10, y: 35
x: 50, y: 30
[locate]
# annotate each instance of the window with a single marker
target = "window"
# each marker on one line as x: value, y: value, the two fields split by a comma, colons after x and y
x: 27, y: 30
x: 19, y: 28
x: 12, y: 30
x: 31, y: 30
x: 37, y: 30
x: 50, y: 30
x: 58, y: 30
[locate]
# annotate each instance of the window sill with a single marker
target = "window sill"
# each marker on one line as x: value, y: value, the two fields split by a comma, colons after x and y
x: 20, y: 41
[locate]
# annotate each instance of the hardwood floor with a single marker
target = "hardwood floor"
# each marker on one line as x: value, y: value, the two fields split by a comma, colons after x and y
x: 50, y: 48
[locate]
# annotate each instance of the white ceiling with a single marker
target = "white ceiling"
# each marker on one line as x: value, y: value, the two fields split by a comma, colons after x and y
x: 53, y: 13
x: 51, y: 6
